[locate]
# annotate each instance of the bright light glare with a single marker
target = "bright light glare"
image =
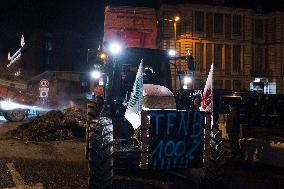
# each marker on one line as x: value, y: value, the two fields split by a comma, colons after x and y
x: 9, y: 105
x: 257, y: 80
x: 187, y: 79
x: 115, y: 48
x: 96, y: 74
x: 101, y: 83
x: 172, y: 52
x: 184, y: 87
x: 176, y: 18
x: 103, y: 56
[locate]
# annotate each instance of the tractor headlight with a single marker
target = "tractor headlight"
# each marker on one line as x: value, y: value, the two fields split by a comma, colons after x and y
x: 187, y: 80
x: 96, y: 74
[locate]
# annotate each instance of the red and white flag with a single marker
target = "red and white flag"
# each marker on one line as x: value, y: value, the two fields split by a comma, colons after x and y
x: 207, y: 96
x: 188, y: 53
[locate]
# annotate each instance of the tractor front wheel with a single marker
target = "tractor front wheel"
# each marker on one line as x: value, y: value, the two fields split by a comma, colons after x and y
x: 101, y: 154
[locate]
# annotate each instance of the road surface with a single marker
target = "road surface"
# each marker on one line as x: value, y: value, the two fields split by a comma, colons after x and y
x: 62, y: 165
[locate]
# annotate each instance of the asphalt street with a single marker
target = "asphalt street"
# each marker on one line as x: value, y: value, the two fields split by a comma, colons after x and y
x: 62, y: 165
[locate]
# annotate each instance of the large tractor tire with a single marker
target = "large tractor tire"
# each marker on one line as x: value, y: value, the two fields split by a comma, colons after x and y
x: 91, y: 115
x: 15, y: 115
x: 99, y: 149
x: 214, y: 168
x: 101, y: 154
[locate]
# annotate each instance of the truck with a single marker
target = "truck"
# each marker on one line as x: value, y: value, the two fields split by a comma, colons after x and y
x: 13, y: 96
x: 20, y: 100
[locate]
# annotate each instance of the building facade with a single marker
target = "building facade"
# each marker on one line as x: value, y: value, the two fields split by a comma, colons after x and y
x: 245, y: 45
x: 43, y: 51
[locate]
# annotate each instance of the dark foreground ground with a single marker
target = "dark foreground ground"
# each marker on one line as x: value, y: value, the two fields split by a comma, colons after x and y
x: 61, y: 165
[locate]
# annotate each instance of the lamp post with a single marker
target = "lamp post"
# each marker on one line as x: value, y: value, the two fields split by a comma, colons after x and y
x: 175, y: 20
x: 88, y: 52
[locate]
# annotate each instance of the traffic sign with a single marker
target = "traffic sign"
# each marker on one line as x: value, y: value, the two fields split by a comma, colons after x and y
x: 44, y: 83
x: 43, y: 92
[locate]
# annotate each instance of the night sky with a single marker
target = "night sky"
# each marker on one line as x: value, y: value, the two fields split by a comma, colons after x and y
x: 27, y: 16
x: 82, y: 16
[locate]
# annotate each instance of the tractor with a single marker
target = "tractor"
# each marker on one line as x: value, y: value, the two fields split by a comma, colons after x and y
x: 113, y: 142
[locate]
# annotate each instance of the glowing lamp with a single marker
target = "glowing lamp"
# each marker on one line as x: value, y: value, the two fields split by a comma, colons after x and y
x: 172, y: 52
x: 96, y: 74
x: 115, y: 48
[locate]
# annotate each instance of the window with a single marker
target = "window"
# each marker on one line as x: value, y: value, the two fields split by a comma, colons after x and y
x: 218, y: 56
x: 199, y: 48
x: 258, y: 61
x: 258, y: 28
x: 199, y: 84
x: 184, y: 27
x: 209, y: 56
x: 237, y: 85
x: 218, y: 23
x: 48, y: 44
x: 218, y: 84
x: 273, y: 29
x: 228, y: 84
x: 236, y: 58
x: 273, y: 25
x: 259, y: 57
x: 237, y: 24
x: 199, y: 21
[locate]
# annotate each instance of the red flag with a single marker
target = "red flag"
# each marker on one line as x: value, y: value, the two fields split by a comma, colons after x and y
x: 188, y: 53
x: 207, y: 96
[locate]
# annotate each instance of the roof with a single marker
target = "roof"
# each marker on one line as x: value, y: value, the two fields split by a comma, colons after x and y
x: 64, y: 75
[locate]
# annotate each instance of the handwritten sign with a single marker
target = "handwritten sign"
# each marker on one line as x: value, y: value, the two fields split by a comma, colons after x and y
x: 175, y: 139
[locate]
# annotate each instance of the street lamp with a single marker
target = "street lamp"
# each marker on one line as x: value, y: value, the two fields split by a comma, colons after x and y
x: 88, y: 52
x: 171, y: 52
x: 176, y: 19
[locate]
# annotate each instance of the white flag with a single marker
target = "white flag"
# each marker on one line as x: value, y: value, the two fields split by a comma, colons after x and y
x: 207, y: 96
x: 22, y: 41
x: 134, y: 105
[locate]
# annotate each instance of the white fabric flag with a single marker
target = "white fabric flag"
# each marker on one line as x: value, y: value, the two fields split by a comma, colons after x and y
x: 22, y: 41
x: 134, y: 105
x: 207, y: 96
